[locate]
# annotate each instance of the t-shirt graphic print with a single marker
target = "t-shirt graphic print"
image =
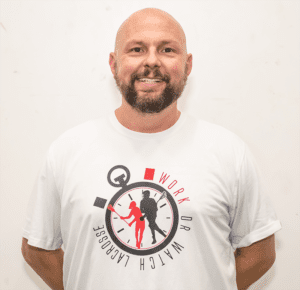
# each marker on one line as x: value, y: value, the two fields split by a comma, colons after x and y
x: 141, y: 219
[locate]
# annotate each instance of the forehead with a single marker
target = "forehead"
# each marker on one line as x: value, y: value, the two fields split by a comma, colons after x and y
x: 151, y: 29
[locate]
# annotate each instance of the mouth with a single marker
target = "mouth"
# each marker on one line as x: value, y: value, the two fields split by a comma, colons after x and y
x: 150, y: 81
x: 146, y: 84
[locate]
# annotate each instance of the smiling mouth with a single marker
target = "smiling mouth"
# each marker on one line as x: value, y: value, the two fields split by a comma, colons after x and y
x: 150, y: 81
x: 149, y: 85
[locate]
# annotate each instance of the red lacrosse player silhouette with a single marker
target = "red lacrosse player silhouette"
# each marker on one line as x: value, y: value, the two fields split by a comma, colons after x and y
x: 139, y: 226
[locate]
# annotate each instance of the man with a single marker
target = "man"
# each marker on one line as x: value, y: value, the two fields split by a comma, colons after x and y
x: 139, y: 224
x: 149, y: 207
x: 220, y: 223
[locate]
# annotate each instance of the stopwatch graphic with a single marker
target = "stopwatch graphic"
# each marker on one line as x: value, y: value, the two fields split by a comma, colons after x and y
x: 142, y: 217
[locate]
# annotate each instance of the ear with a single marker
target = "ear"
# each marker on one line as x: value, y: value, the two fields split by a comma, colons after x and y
x: 112, y: 62
x: 189, y: 63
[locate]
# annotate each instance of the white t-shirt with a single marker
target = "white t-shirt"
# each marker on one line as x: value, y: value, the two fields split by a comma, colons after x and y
x: 204, y: 200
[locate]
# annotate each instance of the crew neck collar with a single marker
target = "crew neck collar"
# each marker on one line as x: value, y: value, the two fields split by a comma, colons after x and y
x: 145, y: 136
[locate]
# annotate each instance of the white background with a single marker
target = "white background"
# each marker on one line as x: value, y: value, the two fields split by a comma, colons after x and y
x: 55, y: 75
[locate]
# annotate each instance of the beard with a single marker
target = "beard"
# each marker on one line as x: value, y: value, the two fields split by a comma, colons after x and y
x: 151, y: 105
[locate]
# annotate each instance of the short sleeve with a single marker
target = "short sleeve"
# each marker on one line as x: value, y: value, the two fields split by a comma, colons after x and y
x: 253, y: 217
x: 42, y: 226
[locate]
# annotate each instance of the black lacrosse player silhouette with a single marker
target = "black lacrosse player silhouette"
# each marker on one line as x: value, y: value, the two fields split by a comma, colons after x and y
x: 149, y: 207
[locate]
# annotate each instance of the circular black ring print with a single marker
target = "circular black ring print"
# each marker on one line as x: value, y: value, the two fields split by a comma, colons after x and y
x: 168, y: 238
x: 118, y: 184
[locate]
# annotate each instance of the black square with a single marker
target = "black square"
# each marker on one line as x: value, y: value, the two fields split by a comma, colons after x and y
x: 100, y: 202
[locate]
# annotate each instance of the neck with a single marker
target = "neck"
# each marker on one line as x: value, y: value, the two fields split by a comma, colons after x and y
x: 147, y: 123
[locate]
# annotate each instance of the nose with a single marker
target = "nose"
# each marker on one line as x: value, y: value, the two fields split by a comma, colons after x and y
x: 152, y: 60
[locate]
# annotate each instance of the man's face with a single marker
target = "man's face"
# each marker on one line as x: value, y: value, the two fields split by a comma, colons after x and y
x: 151, y: 49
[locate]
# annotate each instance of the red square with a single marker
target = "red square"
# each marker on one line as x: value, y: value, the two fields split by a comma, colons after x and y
x: 149, y: 173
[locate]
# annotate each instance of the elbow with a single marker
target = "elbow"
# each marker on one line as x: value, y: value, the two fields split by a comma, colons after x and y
x: 24, y: 250
x: 269, y: 263
x: 265, y: 265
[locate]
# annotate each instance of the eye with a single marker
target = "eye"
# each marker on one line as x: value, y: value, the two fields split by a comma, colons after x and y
x: 135, y: 49
x: 169, y: 49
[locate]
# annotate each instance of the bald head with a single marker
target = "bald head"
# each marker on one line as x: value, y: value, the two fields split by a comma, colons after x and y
x: 145, y: 19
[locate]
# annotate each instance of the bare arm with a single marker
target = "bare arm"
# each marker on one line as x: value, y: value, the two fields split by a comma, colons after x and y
x: 47, y: 264
x: 127, y: 217
x: 254, y: 261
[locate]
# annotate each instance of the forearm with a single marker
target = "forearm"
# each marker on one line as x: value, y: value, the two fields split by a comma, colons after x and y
x: 248, y: 272
x: 49, y: 267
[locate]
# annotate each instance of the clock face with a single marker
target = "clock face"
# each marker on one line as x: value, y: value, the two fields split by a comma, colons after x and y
x: 155, y: 231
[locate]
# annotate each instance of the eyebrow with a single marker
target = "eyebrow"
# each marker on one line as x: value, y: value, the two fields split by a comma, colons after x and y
x: 143, y: 43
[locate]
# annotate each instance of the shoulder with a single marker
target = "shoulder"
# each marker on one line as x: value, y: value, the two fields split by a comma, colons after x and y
x: 215, y: 138
x: 152, y: 201
x: 212, y: 131
x: 78, y: 133
x: 136, y: 210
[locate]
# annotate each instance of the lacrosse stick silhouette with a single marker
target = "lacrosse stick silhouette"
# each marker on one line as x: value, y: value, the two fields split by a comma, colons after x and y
x: 110, y: 207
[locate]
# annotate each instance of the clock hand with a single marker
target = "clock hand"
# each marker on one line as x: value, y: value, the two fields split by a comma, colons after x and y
x: 110, y: 207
